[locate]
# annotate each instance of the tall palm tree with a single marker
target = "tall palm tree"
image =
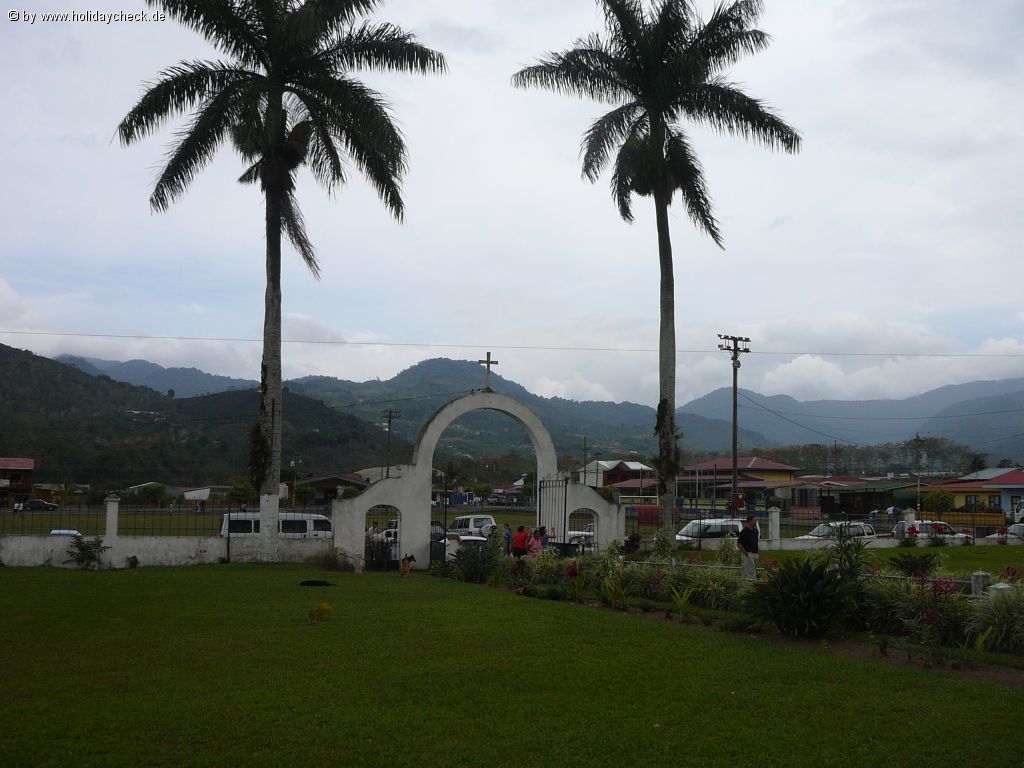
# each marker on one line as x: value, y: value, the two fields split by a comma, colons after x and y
x: 285, y: 97
x: 658, y: 64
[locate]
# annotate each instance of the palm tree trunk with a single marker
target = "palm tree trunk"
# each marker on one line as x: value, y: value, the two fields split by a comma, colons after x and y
x: 270, y: 373
x: 668, y: 446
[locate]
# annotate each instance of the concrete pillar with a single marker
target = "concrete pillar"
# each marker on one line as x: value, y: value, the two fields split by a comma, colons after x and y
x: 998, y: 588
x: 347, y: 519
x: 774, y: 523
x: 110, y: 532
x: 910, y: 515
x: 980, y: 582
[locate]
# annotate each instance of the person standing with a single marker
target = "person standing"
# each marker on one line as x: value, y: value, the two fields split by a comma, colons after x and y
x: 747, y: 543
x: 519, y: 542
x: 507, y: 540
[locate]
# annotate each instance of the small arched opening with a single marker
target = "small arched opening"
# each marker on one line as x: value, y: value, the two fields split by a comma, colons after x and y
x: 583, y: 530
x: 383, y: 538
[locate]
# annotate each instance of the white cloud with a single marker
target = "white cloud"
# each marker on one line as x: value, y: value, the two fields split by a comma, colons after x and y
x: 892, y: 232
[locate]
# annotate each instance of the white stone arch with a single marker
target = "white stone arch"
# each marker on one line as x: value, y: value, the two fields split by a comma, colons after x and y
x: 410, y: 491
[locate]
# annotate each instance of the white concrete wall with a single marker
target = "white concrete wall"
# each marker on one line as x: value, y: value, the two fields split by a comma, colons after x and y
x: 31, y: 551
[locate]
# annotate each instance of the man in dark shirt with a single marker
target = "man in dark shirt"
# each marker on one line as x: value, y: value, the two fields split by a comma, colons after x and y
x: 747, y: 543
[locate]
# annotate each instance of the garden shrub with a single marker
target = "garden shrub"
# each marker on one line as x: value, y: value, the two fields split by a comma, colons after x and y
x: 662, y: 547
x: 884, y: 604
x: 715, y: 588
x: 545, y: 568
x: 475, y: 564
x: 728, y: 553
x: 936, y: 613
x: 915, y: 564
x: 803, y: 599
x: 998, y: 621
x: 612, y: 592
x: 85, y: 552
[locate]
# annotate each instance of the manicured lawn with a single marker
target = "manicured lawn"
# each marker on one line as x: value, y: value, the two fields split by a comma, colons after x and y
x: 957, y: 560
x: 215, y: 666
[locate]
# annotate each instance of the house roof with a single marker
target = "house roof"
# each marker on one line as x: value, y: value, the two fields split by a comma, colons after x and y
x: 633, y: 484
x: 754, y: 463
x: 990, y: 473
x: 350, y: 479
x: 1013, y: 477
x: 17, y: 463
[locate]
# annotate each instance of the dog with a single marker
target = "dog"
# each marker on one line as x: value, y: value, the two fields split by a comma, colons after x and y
x: 407, y: 562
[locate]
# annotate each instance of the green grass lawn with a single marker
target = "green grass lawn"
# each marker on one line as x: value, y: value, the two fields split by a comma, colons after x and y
x: 216, y: 666
x: 961, y: 561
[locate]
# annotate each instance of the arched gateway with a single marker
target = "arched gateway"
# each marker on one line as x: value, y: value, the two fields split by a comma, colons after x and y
x: 409, y: 492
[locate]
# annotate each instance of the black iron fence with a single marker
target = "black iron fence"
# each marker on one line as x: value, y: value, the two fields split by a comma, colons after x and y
x: 86, y: 520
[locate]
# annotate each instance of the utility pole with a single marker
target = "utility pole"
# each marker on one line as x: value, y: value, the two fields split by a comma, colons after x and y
x: 584, y: 459
x: 389, y: 415
x: 735, y: 346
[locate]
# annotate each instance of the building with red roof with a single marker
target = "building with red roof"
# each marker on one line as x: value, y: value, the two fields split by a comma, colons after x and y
x: 15, y: 480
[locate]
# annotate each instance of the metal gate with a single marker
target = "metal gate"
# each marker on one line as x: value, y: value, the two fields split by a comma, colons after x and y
x: 551, y: 508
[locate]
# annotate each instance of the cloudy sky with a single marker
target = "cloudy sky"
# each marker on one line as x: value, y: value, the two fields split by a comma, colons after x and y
x: 882, y: 261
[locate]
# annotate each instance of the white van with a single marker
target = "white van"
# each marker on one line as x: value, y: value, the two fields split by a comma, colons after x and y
x: 290, y: 525
x: 473, y: 525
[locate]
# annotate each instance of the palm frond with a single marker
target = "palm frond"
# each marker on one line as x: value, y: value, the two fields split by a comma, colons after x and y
x: 727, y: 36
x: 323, y: 159
x: 253, y: 173
x: 295, y: 228
x: 359, y: 119
x: 603, y: 135
x: 382, y: 47
x: 588, y: 70
x: 179, y: 89
x: 723, y: 106
x: 225, y: 24
x: 196, y: 145
x: 626, y: 25
x: 316, y: 20
x: 686, y: 174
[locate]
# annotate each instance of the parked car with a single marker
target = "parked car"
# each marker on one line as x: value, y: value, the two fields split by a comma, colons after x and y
x: 927, y: 529
x: 1014, y: 534
x: 711, y: 528
x: 456, y: 541
x: 36, y: 505
x: 831, y: 530
x: 65, y: 532
x: 473, y: 525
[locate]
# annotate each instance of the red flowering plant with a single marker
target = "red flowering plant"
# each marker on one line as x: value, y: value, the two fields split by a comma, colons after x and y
x: 577, y: 579
x: 692, y: 560
x: 771, y: 567
x: 912, y: 531
x: 1011, y: 574
x: 1002, y: 533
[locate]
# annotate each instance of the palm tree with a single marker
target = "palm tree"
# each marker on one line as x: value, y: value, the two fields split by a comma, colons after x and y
x: 656, y: 66
x: 285, y: 97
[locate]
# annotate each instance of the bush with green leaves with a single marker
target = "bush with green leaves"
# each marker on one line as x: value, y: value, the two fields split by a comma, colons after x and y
x: 475, y: 564
x: 884, y: 604
x: 717, y: 588
x: 915, y: 564
x: 803, y: 599
x: 849, y: 554
x: 663, y: 547
x: 546, y: 568
x: 998, y: 621
x: 86, y: 552
x: 612, y: 591
x: 728, y: 553
x: 936, y: 613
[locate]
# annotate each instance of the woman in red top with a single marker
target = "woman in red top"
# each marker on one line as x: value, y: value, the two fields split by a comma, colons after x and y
x: 519, y: 542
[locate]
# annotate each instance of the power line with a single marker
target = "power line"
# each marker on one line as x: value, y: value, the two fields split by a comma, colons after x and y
x: 528, y: 347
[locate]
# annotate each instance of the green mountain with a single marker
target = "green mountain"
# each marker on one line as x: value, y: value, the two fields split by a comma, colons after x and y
x: 184, y: 382
x: 987, y: 416
x: 92, y: 429
x: 618, y: 429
